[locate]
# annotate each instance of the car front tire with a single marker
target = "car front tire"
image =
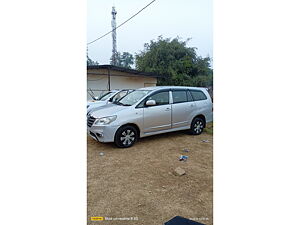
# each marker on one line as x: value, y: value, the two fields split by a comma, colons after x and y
x: 126, y: 136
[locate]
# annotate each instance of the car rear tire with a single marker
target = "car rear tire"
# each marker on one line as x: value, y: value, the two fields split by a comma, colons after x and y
x: 197, y: 126
x: 126, y: 136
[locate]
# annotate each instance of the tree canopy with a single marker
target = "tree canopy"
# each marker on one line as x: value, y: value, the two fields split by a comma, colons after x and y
x: 90, y: 62
x: 124, y: 60
x: 178, y: 63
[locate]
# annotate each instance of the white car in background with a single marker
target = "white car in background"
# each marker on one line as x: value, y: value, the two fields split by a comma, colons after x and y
x: 109, y: 97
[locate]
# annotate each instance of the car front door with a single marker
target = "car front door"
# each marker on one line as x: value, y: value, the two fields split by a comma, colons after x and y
x: 158, y: 117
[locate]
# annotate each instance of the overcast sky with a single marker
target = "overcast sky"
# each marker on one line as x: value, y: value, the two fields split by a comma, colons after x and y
x: 169, y: 18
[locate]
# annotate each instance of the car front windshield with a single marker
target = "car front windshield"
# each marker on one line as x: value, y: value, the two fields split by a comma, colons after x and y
x: 133, y: 97
x: 118, y: 96
x: 106, y: 96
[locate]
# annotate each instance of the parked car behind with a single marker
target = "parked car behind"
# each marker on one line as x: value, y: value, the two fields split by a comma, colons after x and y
x: 149, y: 111
x: 109, y: 97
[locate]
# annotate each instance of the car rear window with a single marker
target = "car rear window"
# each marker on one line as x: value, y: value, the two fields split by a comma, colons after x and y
x: 198, y: 95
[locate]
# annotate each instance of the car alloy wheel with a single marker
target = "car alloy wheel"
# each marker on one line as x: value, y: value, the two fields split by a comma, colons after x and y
x: 127, y: 137
x: 198, y: 127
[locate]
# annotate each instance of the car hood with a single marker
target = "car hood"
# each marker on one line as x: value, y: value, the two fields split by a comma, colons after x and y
x: 96, y: 103
x: 108, y: 110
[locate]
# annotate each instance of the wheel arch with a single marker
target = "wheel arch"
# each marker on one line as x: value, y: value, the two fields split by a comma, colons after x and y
x: 133, y: 125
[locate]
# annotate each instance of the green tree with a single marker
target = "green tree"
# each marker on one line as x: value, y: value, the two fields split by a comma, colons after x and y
x: 90, y: 62
x: 127, y: 59
x: 178, y: 63
x: 124, y: 60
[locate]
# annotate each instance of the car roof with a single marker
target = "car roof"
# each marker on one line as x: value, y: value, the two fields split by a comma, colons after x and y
x: 125, y: 89
x: 169, y: 87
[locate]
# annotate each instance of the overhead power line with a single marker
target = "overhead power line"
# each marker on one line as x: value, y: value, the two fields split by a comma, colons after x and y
x: 121, y: 24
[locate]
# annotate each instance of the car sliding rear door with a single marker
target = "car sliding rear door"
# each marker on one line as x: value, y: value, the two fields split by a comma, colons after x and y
x: 182, y: 108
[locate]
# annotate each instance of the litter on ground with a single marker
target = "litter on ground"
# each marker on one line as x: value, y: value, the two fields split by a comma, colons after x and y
x: 183, y: 158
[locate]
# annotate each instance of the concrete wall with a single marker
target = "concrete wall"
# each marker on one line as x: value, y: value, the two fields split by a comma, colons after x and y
x: 118, y: 80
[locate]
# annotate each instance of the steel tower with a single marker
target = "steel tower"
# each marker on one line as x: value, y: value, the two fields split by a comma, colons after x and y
x: 114, y: 37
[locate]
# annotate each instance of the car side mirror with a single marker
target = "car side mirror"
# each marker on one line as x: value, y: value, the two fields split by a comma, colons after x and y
x: 150, y: 103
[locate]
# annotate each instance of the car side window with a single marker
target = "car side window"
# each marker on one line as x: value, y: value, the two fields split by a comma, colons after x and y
x: 179, y: 96
x: 198, y: 95
x: 161, y: 98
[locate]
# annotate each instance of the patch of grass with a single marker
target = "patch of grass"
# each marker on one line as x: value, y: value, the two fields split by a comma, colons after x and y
x: 209, y: 129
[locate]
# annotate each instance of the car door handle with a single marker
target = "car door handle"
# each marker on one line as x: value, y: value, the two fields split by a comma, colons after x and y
x: 167, y: 109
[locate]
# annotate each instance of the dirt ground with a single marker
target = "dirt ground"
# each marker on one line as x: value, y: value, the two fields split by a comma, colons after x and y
x: 138, y: 182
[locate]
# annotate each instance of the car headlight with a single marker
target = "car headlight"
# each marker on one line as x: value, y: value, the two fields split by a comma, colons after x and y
x: 105, y: 120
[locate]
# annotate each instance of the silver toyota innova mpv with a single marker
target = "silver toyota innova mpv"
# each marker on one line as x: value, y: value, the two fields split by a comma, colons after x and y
x: 149, y: 111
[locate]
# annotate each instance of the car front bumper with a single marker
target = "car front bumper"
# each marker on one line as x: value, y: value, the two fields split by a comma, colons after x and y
x: 103, y: 133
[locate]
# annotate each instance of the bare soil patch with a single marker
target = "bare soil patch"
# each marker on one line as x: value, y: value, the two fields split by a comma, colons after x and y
x: 139, y: 181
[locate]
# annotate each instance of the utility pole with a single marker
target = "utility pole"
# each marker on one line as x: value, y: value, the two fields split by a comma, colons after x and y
x: 114, y: 37
x: 108, y: 79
